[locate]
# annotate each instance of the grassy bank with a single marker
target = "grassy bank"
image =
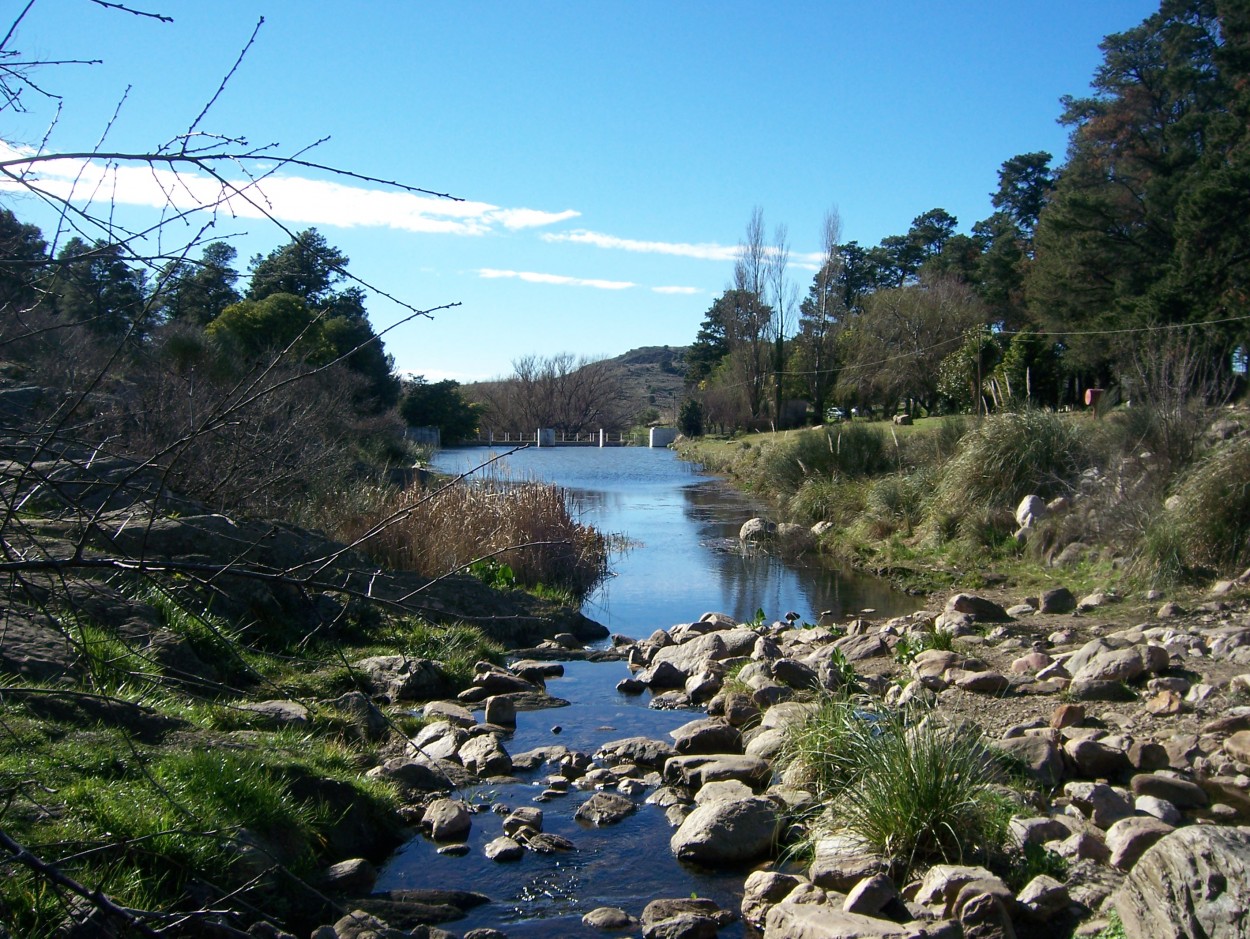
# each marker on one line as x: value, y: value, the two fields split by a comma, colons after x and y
x: 1139, y: 498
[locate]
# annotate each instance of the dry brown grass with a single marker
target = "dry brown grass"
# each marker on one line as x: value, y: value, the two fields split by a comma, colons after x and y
x: 529, y: 526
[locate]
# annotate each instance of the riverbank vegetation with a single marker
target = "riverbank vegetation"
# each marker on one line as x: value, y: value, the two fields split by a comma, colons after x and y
x: 936, y: 501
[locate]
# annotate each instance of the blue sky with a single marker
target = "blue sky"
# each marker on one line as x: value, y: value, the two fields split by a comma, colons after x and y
x: 609, y: 154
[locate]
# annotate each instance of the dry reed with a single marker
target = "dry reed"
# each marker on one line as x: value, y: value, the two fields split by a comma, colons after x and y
x: 529, y: 526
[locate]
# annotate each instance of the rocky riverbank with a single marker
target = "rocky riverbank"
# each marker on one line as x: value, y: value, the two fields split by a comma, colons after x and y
x: 1126, y: 726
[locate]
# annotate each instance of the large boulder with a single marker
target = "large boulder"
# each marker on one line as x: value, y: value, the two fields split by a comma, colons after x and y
x: 1195, y: 882
x: 726, y: 832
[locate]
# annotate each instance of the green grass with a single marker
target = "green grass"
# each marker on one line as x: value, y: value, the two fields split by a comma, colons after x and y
x: 146, y: 823
x: 912, y: 792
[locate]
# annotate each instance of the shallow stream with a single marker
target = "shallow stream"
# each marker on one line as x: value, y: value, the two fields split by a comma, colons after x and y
x: 684, y: 560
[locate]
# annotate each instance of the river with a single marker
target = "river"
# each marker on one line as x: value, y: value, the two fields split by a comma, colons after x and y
x: 683, y: 560
x: 682, y: 526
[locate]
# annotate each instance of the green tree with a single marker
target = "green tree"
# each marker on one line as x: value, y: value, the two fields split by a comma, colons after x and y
x: 253, y: 330
x: 439, y: 404
x: 198, y: 291
x: 310, y: 268
x: 962, y: 375
x: 1024, y: 184
x: 307, y: 266
x: 1106, y: 242
x: 23, y: 263
x: 710, y: 346
x: 690, y: 418
x: 895, y: 346
x: 94, y: 285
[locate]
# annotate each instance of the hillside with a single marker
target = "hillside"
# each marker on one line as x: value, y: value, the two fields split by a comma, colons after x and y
x: 653, y: 378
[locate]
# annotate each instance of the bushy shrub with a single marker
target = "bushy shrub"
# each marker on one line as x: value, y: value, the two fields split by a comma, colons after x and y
x: 895, y: 503
x: 851, y: 451
x: 830, y: 498
x: 1207, y: 523
x: 1005, y: 458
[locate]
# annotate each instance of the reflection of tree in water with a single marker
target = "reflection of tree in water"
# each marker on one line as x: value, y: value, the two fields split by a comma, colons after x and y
x: 753, y: 578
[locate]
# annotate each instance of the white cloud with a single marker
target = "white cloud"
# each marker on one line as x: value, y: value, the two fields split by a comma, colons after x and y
x: 289, y: 198
x: 531, y: 218
x: 532, y: 277
x: 705, y: 252
x: 678, y: 290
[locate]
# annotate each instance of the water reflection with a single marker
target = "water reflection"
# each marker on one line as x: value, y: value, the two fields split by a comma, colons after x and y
x: 684, y: 558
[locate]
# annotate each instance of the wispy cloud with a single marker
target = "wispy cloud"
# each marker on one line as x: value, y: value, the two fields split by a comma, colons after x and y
x: 294, y: 199
x: 533, y: 277
x: 704, y: 252
x: 678, y: 290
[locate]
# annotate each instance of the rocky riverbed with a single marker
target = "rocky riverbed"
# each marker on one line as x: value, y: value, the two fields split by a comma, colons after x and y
x: 1130, y: 720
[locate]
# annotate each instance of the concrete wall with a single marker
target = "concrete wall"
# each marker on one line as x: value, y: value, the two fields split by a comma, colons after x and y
x: 662, y: 436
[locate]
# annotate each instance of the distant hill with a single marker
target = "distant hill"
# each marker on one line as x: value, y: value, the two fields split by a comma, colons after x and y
x: 654, y: 379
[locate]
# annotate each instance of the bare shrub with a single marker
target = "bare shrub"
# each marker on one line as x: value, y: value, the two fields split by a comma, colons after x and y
x: 1173, y: 380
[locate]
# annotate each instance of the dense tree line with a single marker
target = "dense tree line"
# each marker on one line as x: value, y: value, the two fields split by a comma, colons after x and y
x: 1136, y: 246
x: 248, y: 391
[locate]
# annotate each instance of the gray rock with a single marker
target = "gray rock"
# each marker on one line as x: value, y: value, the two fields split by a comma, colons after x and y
x: 1129, y: 839
x: 641, y: 751
x: 1103, y: 804
x: 1057, y: 600
x: 503, y: 849
x: 447, y: 820
x: 1043, y: 897
x: 681, y: 926
x: 942, y: 882
x: 871, y: 895
x: 609, y: 918
x: 722, y: 832
x: 707, y: 735
x: 278, y: 713
x: 1180, y: 792
x: 604, y: 808
x: 362, y: 715
x: 1158, y: 808
x: 1194, y: 883
x: 455, y: 714
x: 981, y: 608
x: 484, y: 756
x: 402, y: 678
x: 355, y: 876
x: 756, y: 529
x: 1094, y: 759
x: 667, y: 908
x: 762, y: 891
x: 696, y: 770
x: 839, y: 863
x: 525, y: 817
x: 500, y: 711
x: 825, y: 921
x: 1039, y: 756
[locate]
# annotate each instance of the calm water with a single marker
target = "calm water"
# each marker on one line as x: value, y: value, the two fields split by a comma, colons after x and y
x: 683, y: 526
x: 684, y: 561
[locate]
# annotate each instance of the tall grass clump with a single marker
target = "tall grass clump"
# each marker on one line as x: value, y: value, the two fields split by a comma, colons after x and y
x: 529, y: 526
x: 830, y: 498
x: 911, y: 792
x: 1206, y: 525
x: 894, y: 504
x: 1005, y: 458
x: 853, y: 451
